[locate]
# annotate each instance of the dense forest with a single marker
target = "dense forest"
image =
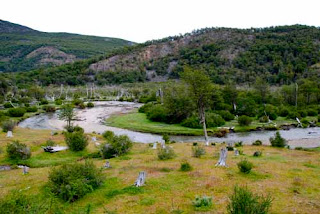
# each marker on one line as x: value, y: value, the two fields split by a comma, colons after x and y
x: 24, y: 49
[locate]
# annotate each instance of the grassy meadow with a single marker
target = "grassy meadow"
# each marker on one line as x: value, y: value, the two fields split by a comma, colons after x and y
x: 291, y: 177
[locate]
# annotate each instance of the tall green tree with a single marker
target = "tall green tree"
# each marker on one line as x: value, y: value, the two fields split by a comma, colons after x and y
x: 200, y: 88
x: 67, y: 114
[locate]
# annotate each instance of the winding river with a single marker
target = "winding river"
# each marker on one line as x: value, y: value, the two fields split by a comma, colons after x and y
x: 92, y: 120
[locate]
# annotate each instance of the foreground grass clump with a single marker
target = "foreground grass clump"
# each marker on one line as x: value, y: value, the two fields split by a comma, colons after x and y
x: 115, y: 145
x: 245, y: 166
x: 18, y: 151
x: 203, y: 203
x: 185, y: 167
x: 198, y: 151
x: 166, y: 153
x: 72, y: 181
x: 76, y: 141
x: 243, y: 201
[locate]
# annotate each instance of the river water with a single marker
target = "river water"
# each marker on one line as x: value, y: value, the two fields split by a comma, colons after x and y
x: 92, y: 120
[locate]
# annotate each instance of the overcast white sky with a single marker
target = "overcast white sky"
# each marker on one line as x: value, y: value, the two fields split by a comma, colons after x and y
x: 142, y: 20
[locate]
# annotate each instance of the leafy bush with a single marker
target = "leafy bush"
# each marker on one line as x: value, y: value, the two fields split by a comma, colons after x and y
x: 278, y: 141
x: 50, y: 143
x: 257, y: 143
x: 245, y: 166
x: 44, y: 102
x: 8, y: 125
x: 157, y: 113
x: 198, y: 151
x: 7, y: 105
x: 293, y: 115
x: 58, y: 102
x: 72, y: 181
x: 283, y: 112
x: 115, y: 146
x: 90, y: 105
x: 81, y: 106
x: 257, y: 154
x: 303, y: 113
x: 312, y: 112
x: 166, y: 138
x: 263, y: 119
x: 191, y: 122
x: 32, y: 109
x: 185, y: 167
x: 76, y: 141
x: 214, y: 120
x: 18, y: 151
x: 244, y: 120
x: 202, y: 203
x: 238, y: 144
x: 49, y: 108
x: 226, y: 115
x: 305, y: 122
x: 16, y: 112
x: 145, y: 108
x: 166, y: 153
x: 77, y: 102
x: 243, y: 201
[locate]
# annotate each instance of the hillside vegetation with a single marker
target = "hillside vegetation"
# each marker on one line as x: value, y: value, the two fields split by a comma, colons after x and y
x: 24, y: 49
x: 280, y: 55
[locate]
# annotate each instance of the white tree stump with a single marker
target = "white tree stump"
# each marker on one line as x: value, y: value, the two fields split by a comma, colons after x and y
x: 107, y: 165
x: 299, y: 122
x: 223, y: 157
x: 154, y: 145
x: 236, y: 152
x: 94, y: 139
x: 141, y: 179
x: 25, y: 170
x: 163, y: 145
x: 9, y: 134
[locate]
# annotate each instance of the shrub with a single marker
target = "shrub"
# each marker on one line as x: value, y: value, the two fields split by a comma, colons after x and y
x: 226, y: 115
x: 221, y: 132
x: 238, y: 144
x: 50, y: 143
x: 198, y: 151
x: 44, y: 102
x: 115, y: 146
x: 257, y: 154
x: 202, y: 203
x: 278, y: 141
x: 194, y: 144
x: 157, y: 113
x: 303, y: 113
x: 18, y: 151
x: 185, y: 167
x: 244, y: 120
x: 58, y: 102
x: 72, y: 181
x: 257, y: 143
x: 283, y: 112
x: 166, y: 153
x: 77, y: 102
x: 32, y: 109
x: 263, y: 119
x: 76, y: 141
x: 312, y: 112
x: 214, y: 120
x: 145, y: 108
x: 81, y: 106
x: 7, y: 105
x: 8, y: 125
x: 191, y: 122
x: 90, y: 105
x: 305, y: 122
x: 74, y: 129
x: 245, y: 166
x: 293, y: 115
x: 166, y: 138
x: 49, y: 108
x: 243, y: 201
x: 16, y: 112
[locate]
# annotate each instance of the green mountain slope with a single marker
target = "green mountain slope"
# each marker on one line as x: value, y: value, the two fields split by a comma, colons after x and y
x: 280, y: 55
x: 23, y: 48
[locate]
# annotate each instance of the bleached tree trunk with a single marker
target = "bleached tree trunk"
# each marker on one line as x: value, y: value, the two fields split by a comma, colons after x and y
x: 107, y: 165
x: 25, y: 170
x: 236, y: 152
x: 154, y: 145
x: 141, y: 179
x: 203, y: 121
x: 223, y: 157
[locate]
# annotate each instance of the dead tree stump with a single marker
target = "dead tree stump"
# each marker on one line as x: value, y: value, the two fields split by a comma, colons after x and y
x: 25, y: 170
x: 223, y: 157
x: 236, y: 152
x: 107, y: 165
x: 9, y: 134
x: 154, y: 145
x: 141, y: 179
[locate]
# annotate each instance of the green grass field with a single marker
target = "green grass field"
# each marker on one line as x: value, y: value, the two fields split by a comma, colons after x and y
x: 139, y: 122
x: 291, y: 177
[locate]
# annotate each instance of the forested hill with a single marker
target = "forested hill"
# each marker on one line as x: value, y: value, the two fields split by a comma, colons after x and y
x: 23, y: 48
x: 280, y: 55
